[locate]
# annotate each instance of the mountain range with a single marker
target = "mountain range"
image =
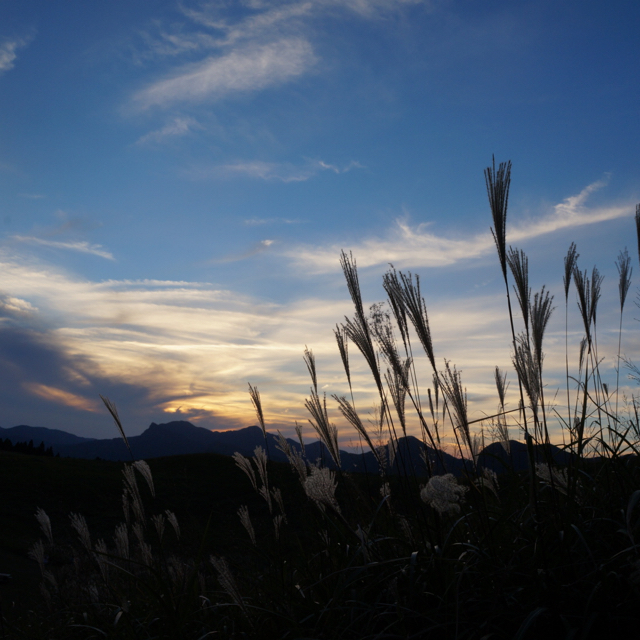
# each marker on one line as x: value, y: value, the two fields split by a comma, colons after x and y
x: 181, y: 437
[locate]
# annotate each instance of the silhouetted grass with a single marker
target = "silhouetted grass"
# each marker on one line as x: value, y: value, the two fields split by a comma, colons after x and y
x: 206, y: 546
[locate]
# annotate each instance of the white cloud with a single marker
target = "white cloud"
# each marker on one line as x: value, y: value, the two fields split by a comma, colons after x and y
x: 270, y: 44
x: 278, y: 171
x: 176, y: 128
x: 16, y: 306
x: 417, y: 247
x: 80, y: 245
x: 8, y: 53
x: 247, y: 69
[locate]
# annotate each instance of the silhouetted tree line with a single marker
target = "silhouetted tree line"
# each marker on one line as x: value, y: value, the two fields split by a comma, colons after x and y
x: 26, y: 447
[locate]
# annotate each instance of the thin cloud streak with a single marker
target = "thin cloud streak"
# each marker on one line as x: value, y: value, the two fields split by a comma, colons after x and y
x: 81, y: 246
x: 176, y: 128
x: 270, y: 171
x: 65, y: 398
x: 244, y: 70
x: 416, y: 247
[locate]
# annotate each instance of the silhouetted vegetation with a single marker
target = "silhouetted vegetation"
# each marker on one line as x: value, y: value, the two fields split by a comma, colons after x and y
x: 197, y: 547
x: 26, y: 448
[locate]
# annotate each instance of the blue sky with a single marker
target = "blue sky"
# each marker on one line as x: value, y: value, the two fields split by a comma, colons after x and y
x: 177, y: 180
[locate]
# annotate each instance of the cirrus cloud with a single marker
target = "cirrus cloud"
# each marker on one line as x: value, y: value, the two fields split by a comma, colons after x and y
x: 242, y: 70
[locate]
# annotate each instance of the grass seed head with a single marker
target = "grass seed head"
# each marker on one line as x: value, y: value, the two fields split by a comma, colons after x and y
x: 443, y: 493
x: 45, y: 524
x: 321, y: 486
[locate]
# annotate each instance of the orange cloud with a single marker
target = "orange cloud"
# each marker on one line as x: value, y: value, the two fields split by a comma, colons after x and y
x: 62, y: 397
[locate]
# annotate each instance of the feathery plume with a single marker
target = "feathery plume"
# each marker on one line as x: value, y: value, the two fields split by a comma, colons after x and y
x: 173, y: 521
x: 264, y: 492
x: 257, y: 404
x: 357, y: 330
x: 519, y: 266
x: 45, y: 524
x: 398, y: 383
x: 159, y: 523
x: 488, y: 480
x: 277, y: 525
x: 528, y: 371
x: 80, y: 525
x: 414, y: 305
x: 443, y: 493
x: 501, y: 386
x: 310, y: 361
x: 350, y: 271
x: 227, y: 582
x: 260, y: 460
x: 343, y: 347
x: 277, y: 496
x: 143, y: 469
x: 623, y: 264
x: 457, y: 397
x: 243, y: 514
x: 382, y: 329
x: 588, y: 296
x: 349, y: 412
x: 321, y: 486
x: 570, y: 261
x: 100, y: 556
x: 326, y: 431
x: 121, y: 540
x: 553, y: 477
x: 393, y: 289
x: 132, y: 487
x: 111, y: 407
x: 244, y: 464
x: 541, y: 310
x: 37, y: 553
x: 498, y: 183
x: 293, y: 456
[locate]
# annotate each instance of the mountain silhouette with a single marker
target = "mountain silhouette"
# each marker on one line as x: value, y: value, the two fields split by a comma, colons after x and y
x: 181, y: 437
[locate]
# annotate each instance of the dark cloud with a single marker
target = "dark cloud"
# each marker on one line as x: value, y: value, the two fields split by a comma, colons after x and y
x: 41, y: 385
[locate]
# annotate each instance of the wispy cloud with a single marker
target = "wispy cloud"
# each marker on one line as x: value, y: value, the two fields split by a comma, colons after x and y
x: 276, y: 171
x: 80, y: 246
x: 176, y: 128
x: 8, y: 52
x: 60, y: 396
x: 264, y: 44
x: 245, y: 69
x: 32, y: 196
x: 407, y: 245
x: 11, y: 306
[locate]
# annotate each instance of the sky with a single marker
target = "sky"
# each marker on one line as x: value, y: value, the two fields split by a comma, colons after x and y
x: 178, y: 179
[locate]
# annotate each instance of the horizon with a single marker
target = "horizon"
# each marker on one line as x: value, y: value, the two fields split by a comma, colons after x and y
x: 178, y: 181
